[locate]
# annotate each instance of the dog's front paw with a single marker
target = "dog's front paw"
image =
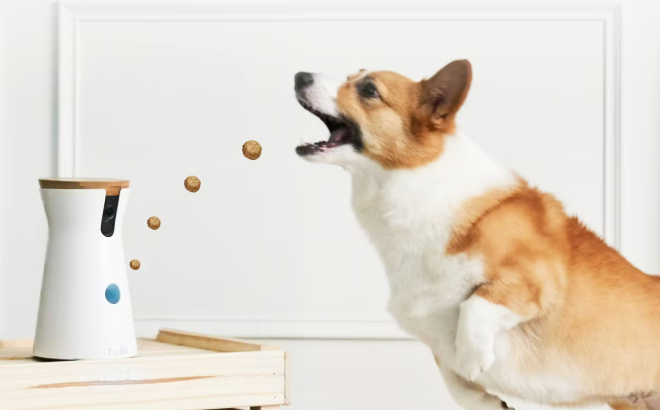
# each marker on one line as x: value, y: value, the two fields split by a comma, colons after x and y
x: 471, y: 361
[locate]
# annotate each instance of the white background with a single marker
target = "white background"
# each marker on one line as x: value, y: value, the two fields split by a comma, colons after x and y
x: 269, y: 248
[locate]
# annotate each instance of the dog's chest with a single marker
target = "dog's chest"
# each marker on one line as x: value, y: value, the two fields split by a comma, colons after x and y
x: 427, y: 288
x: 426, y: 293
x: 427, y: 285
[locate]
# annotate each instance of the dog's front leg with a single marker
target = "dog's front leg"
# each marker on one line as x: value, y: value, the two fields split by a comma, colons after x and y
x: 517, y: 293
x: 467, y: 394
x: 479, y: 322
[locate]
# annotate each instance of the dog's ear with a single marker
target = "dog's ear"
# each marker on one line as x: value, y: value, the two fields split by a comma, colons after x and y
x: 443, y: 94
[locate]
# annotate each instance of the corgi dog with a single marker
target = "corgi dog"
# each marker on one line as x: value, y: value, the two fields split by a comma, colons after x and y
x: 514, y: 297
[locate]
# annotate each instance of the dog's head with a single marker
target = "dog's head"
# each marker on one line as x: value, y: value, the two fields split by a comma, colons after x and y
x: 383, y: 116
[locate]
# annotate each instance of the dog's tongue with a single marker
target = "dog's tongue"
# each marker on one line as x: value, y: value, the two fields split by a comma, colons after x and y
x: 340, y: 135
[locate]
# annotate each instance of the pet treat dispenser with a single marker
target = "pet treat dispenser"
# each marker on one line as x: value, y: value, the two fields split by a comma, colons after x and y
x: 85, y: 307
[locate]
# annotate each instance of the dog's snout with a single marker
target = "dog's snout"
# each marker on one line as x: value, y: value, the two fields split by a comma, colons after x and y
x: 303, y: 80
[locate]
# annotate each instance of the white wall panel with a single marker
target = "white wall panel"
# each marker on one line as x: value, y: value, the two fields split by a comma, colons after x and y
x: 270, y: 247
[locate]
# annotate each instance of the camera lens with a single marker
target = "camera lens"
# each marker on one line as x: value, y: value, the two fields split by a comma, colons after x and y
x: 109, y: 210
x: 109, y: 215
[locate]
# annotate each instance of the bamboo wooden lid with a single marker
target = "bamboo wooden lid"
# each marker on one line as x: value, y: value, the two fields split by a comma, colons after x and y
x: 111, y: 186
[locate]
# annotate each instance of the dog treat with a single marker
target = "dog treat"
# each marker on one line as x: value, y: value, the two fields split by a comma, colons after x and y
x: 252, y: 150
x: 192, y: 183
x: 153, y: 223
x: 135, y: 264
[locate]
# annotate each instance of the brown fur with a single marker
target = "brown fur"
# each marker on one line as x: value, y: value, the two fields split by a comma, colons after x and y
x: 589, y: 308
x: 411, y: 119
x: 628, y: 406
x: 521, y: 237
x: 589, y: 313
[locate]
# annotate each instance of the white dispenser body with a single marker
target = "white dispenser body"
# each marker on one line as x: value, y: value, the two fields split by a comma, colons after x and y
x: 85, y: 309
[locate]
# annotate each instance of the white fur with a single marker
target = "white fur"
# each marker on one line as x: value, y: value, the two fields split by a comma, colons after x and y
x: 322, y: 94
x: 410, y: 226
x: 466, y: 394
x: 479, y: 323
x: 408, y: 215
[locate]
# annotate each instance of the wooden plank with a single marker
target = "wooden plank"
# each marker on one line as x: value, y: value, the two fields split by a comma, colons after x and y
x: 16, y: 343
x: 152, y: 348
x: 167, y: 382
x: 181, y: 370
x: 12, y: 353
x: 15, y: 358
x: 215, y: 402
x: 146, y: 348
x: 287, y: 379
x: 218, y: 344
x: 15, y: 351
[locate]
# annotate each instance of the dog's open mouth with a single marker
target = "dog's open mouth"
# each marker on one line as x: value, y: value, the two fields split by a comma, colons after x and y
x: 341, y: 133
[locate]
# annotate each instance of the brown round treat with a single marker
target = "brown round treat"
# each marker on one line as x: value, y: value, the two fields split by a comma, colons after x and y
x: 252, y: 150
x: 153, y: 223
x: 135, y: 264
x: 192, y: 183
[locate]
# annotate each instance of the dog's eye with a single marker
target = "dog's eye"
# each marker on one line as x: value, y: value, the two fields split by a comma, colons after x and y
x: 368, y: 90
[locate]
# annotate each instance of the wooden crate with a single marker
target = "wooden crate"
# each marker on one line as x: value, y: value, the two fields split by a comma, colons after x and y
x: 176, y: 371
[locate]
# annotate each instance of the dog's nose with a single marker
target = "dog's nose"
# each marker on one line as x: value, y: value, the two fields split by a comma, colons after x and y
x: 303, y: 80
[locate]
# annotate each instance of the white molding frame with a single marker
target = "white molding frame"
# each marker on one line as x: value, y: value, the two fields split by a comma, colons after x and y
x: 71, y: 15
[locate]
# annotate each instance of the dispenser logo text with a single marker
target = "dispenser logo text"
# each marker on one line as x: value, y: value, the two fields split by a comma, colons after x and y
x: 118, y: 351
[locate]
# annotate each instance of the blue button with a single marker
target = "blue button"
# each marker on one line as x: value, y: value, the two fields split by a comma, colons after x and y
x: 112, y: 294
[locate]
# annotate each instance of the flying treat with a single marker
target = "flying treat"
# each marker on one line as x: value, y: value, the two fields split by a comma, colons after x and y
x: 252, y: 150
x: 192, y: 183
x: 153, y: 223
x: 135, y: 264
